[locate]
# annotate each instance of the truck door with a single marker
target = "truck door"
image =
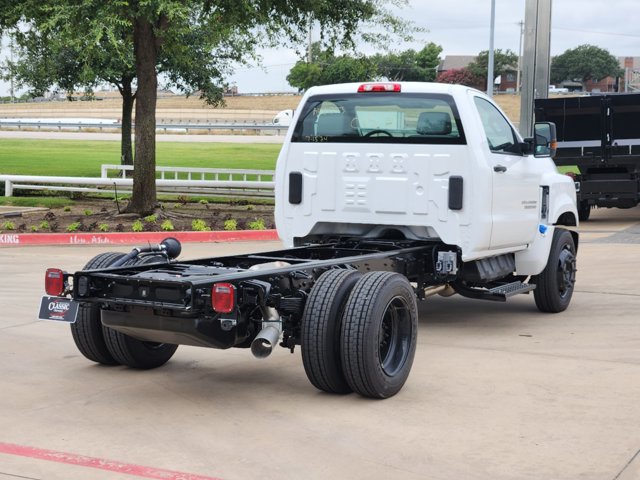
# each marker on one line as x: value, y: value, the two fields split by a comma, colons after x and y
x: 515, y: 197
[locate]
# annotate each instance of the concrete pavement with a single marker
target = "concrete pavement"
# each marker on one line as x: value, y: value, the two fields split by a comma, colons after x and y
x: 497, y: 391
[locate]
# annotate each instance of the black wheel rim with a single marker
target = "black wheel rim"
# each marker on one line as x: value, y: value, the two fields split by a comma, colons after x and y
x: 566, y: 273
x: 394, y: 337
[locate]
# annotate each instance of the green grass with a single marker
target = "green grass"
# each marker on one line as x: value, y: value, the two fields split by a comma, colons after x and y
x: 83, y: 158
x: 47, y: 202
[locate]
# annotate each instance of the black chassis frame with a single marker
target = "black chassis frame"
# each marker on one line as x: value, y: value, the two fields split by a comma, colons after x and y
x: 171, y: 302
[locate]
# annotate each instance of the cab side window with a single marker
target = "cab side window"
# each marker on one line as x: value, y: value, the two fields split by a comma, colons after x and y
x: 500, y: 135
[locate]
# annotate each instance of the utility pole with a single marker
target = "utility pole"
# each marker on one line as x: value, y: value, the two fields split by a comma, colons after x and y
x: 309, y: 41
x: 11, y: 93
x: 521, y: 23
x: 536, y: 59
x: 491, y: 57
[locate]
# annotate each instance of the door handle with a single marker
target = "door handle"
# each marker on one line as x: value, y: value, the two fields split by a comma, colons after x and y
x: 500, y: 168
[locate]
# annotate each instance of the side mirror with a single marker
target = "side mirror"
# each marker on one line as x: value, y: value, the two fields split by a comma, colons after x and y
x: 545, y: 141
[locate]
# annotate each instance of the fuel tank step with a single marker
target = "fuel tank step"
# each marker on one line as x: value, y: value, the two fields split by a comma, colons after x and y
x: 513, y: 288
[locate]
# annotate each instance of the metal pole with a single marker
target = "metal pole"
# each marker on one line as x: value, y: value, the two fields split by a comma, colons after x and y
x: 309, y: 55
x: 491, y: 58
x: 521, y: 23
x: 11, y: 92
x: 535, y: 60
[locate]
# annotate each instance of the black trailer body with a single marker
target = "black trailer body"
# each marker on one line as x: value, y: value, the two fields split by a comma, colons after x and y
x: 600, y: 135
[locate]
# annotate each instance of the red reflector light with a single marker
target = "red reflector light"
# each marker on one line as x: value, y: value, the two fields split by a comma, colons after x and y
x: 223, y: 297
x: 379, y: 87
x: 571, y: 174
x: 54, y: 282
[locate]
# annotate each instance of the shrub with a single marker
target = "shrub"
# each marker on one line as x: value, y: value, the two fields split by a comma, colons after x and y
x: 73, y: 227
x: 199, y: 225
x: 44, y: 225
x: 103, y: 227
x: 251, y: 208
x: 137, y: 226
x: 230, y: 225
x: 204, y: 201
x: 151, y: 218
x: 167, y: 226
x: 257, y: 224
x: 34, y: 228
x: 8, y: 226
x: 88, y: 212
x: 67, y: 208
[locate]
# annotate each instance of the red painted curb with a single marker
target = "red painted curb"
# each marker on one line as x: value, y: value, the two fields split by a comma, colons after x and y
x: 130, y: 238
x: 99, y: 463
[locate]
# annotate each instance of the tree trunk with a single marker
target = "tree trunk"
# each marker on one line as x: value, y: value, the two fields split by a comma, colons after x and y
x: 143, y: 199
x: 128, y: 99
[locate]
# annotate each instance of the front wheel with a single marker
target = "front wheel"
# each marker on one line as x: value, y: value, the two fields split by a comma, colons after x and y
x: 379, y: 334
x: 555, y: 285
x: 584, y: 211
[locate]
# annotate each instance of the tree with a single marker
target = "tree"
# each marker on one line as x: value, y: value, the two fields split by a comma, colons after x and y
x: 410, y: 65
x: 584, y: 63
x: 47, y: 59
x: 502, y: 61
x: 461, y: 76
x: 195, y: 42
x: 326, y: 69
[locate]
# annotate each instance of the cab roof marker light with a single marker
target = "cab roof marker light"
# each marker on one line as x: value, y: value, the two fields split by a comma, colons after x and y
x: 379, y: 87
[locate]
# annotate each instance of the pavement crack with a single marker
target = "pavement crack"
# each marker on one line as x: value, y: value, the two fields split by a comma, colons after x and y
x: 536, y: 354
x: 600, y: 292
x: 13, y: 475
x: 627, y: 465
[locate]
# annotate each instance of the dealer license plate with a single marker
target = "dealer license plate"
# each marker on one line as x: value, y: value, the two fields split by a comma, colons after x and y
x: 60, y: 309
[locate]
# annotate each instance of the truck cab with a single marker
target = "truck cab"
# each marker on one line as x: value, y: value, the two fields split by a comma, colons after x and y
x: 416, y: 161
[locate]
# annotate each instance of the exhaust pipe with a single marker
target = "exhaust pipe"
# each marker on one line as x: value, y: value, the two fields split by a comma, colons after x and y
x: 266, y: 340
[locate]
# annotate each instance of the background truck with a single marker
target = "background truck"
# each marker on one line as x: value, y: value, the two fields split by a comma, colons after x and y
x: 386, y: 193
x: 600, y: 135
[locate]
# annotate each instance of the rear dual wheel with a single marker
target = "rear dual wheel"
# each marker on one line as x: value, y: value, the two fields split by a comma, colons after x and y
x: 359, y: 333
x: 322, y: 328
x: 379, y: 334
x: 109, y: 347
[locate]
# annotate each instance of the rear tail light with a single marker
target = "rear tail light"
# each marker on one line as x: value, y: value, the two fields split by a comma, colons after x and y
x: 379, y: 87
x: 571, y: 174
x: 223, y: 297
x: 54, y: 282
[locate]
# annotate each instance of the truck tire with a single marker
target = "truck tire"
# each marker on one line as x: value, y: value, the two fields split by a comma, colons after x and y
x: 554, y: 286
x: 379, y: 334
x: 87, y: 330
x: 322, y: 328
x: 136, y: 353
x: 584, y: 211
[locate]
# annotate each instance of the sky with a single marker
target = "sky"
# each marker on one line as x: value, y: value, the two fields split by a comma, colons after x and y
x: 462, y: 27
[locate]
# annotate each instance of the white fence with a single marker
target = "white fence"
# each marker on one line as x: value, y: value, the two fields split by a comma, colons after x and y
x: 255, y: 128
x: 211, y: 182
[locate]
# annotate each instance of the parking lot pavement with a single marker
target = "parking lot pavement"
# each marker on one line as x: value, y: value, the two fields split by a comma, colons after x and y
x: 497, y: 391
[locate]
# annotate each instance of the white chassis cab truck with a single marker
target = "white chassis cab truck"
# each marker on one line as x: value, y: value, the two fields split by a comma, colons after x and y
x: 387, y: 193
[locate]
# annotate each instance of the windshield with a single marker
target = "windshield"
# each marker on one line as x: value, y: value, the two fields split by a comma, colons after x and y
x: 380, y: 118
